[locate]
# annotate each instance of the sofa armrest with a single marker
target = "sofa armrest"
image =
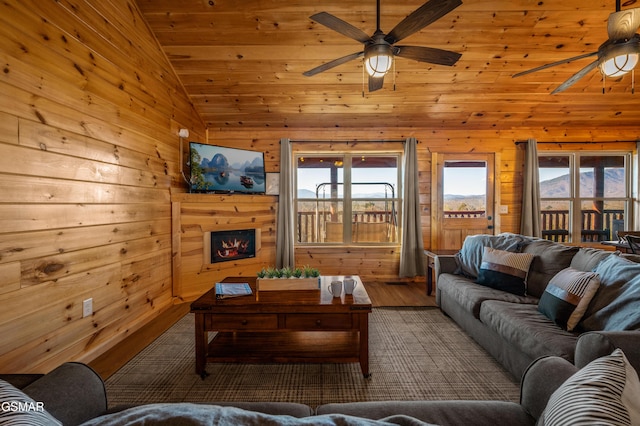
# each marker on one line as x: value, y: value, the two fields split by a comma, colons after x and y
x: 445, y: 264
x: 540, y: 380
x: 595, y: 344
x: 20, y: 381
x: 72, y: 393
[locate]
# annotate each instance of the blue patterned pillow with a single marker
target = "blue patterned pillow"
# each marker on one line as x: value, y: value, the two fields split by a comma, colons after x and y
x: 504, y: 270
x: 605, y: 392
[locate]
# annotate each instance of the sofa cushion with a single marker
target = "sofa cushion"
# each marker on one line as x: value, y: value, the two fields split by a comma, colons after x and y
x: 605, y: 392
x: 470, y: 255
x: 615, y: 304
x: 567, y: 296
x: 527, y: 330
x: 19, y: 409
x: 453, y: 412
x: 183, y: 413
x: 587, y: 258
x: 550, y: 258
x: 470, y: 295
x: 504, y: 270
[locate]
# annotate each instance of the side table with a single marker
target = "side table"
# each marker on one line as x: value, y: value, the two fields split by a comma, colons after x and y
x: 431, y: 261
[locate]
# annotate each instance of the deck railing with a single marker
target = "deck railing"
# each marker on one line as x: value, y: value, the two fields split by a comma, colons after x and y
x: 555, y: 223
x: 312, y: 225
x: 463, y: 214
x: 596, y: 226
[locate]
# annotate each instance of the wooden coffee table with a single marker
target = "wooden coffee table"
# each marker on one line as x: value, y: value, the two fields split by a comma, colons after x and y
x: 283, y: 326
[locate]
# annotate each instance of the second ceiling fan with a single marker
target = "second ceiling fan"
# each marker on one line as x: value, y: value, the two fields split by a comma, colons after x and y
x: 380, y: 49
x: 617, y: 56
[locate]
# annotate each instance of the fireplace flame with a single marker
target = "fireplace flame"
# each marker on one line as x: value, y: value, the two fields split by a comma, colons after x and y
x: 232, y: 248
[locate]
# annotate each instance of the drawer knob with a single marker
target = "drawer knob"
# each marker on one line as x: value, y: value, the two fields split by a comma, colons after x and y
x: 318, y: 322
x: 245, y: 322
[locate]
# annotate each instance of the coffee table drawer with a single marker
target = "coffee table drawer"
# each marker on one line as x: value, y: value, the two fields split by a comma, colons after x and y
x: 318, y: 322
x: 242, y: 322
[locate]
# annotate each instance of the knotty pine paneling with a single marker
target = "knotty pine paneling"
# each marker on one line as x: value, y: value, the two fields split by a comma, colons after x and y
x: 195, y: 214
x: 382, y: 263
x: 89, y: 115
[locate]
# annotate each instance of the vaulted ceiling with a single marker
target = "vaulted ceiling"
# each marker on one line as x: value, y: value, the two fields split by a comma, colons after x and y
x: 241, y: 61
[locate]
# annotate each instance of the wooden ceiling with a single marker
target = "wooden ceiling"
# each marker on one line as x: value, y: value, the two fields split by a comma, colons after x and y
x: 241, y: 61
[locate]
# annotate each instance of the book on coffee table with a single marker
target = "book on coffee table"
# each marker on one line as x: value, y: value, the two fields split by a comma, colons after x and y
x: 227, y: 290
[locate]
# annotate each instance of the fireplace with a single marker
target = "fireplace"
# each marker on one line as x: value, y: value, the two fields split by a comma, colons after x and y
x: 225, y: 246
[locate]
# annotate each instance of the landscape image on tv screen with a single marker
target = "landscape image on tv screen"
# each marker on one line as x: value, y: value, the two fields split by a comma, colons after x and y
x: 226, y: 170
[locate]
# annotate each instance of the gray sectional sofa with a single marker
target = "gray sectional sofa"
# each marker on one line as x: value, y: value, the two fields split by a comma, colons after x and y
x: 74, y: 394
x: 512, y: 328
x: 600, y: 355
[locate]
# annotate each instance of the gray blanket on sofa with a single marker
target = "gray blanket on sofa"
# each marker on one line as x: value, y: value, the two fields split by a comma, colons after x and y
x: 187, y: 414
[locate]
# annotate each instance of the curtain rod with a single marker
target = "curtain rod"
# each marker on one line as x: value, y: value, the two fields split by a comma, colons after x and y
x: 581, y: 142
x: 344, y: 140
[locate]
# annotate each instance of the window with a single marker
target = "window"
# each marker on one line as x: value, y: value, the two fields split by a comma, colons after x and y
x: 584, y: 196
x: 347, y: 198
x: 465, y: 188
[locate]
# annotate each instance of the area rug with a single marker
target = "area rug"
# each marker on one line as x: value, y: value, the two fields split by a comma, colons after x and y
x: 415, y: 354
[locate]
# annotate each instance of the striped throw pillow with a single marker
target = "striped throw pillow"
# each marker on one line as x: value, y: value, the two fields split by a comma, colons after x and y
x: 16, y: 408
x: 505, y: 270
x: 567, y: 296
x: 605, y: 392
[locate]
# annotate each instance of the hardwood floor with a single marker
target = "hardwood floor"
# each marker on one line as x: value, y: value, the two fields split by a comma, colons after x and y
x: 399, y: 294
x: 110, y: 361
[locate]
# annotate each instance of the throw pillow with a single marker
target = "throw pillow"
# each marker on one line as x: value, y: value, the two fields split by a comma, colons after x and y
x: 470, y: 255
x: 615, y: 305
x: 567, y: 296
x: 16, y: 408
x: 504, y: 270
x: 605, y: 392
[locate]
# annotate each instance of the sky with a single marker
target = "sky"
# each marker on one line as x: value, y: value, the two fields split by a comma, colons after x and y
x: 465, y: 181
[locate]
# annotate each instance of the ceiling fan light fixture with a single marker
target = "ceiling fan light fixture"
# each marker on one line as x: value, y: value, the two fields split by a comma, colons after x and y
x: 619, y: 65
x: 617, y: 59
x: 378, y: 59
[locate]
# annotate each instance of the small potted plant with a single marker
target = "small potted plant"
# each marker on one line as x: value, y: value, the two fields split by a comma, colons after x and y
x: 288, y: 278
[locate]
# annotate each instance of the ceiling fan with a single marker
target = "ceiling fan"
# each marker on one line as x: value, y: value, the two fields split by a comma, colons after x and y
x: 380, y: 48
x: 615, y: 57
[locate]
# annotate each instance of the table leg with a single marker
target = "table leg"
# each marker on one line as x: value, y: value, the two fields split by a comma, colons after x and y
x: 429, y: 278
x: 201, y: 346
x: 364, y: 344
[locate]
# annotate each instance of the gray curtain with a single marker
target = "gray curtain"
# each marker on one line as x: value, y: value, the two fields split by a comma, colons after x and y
x: 412, y: 250
x: 285, y: 236
x: 530, y: 218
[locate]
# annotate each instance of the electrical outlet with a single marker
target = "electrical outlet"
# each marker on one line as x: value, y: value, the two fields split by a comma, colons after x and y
x: 504, y: 209
x: 87, y: 308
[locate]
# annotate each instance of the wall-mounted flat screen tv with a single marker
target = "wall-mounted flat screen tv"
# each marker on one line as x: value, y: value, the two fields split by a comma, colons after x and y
x: 219, y: 169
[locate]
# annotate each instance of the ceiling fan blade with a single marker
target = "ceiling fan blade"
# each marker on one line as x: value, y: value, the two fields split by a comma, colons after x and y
x: 577, y: 76
x: 343, y: 27
x: 553, y: 64
x: 331, y: 64
x: 429, y: 12
x: 427, y: 54
x: 623, y: 25
x: 375, y: 83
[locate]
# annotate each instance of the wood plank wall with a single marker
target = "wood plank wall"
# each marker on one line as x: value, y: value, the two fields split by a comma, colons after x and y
x: 195, y: 214
x: 382, y: 263
x: 89, y: 116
